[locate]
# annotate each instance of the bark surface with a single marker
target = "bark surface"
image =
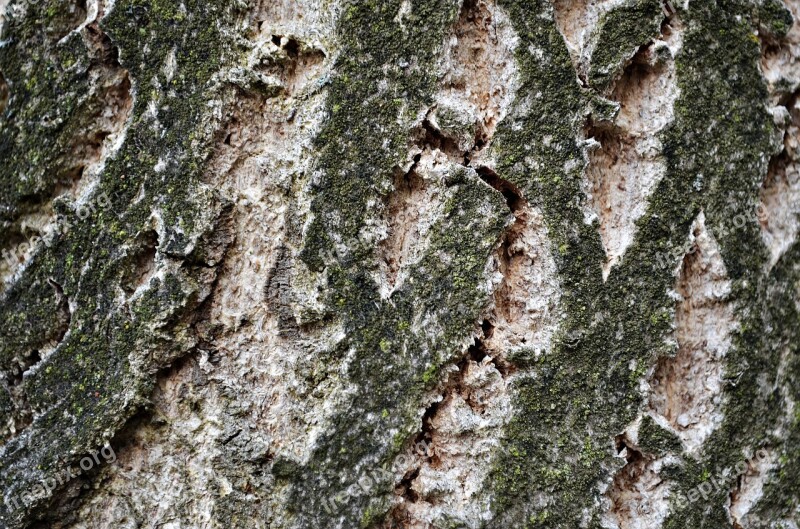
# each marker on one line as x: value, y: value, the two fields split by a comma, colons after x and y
x: 454, y: 264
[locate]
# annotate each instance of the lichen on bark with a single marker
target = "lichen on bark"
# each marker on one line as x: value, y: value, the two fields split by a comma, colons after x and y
x: 267, y: 250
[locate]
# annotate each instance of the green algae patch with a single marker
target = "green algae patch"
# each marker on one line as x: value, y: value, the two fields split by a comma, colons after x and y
x: 654, y: 439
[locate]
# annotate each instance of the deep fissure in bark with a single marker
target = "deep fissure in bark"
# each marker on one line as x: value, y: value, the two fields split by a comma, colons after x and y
x: 142, y: 264
x: 638, y: 495
x: 513, y: 196
x: 687, y: 388
x: 476, y: 355
x: 402, y: 207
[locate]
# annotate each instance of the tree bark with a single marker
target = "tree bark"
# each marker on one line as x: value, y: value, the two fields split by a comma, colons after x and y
x: 399, y: 264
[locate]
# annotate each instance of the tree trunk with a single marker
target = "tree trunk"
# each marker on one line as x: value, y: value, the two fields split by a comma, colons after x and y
x: 400, y: 264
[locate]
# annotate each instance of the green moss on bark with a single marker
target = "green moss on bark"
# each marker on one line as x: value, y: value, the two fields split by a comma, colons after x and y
x: 621, y: 32
x: 385, y: 80
x: 548, y: 476
x: 103, y: 370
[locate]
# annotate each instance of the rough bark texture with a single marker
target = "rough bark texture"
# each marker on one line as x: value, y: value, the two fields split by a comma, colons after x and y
x: 400, y: 264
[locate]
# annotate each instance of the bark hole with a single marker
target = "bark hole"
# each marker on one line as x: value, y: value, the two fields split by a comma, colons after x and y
x: 293, y: 62
x: 142, y: 265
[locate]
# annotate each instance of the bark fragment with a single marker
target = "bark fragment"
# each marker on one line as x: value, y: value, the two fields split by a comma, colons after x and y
x: 687, y: 389
x: 639, y: 495
x: 625, y: 157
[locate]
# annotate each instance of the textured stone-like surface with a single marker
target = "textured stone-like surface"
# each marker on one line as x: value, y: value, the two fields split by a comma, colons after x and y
x: 429, y: 263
